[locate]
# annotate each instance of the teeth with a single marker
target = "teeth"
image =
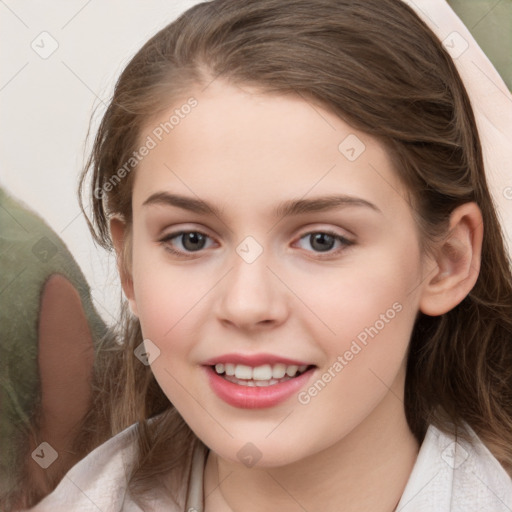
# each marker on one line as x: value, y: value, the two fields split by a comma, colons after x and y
x: 256, y: 383
x: 279, y: 371
x: 243, y: 372
x: 262, y: 373
x: 291, y: 370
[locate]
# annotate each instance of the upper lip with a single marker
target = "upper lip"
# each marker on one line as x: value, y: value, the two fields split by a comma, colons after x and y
x: 254, y: 360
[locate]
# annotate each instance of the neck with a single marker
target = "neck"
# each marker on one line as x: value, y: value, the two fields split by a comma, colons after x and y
x: 367, y: 470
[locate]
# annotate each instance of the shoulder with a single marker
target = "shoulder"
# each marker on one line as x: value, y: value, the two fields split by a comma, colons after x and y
x: 97, y: 482
x: 454, y: 474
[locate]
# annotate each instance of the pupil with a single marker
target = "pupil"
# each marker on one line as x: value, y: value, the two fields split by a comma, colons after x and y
x: 193, y: 238
x: 322, y: 238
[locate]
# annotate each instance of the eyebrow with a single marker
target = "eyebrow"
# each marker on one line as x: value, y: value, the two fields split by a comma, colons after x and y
x: 284, y: 209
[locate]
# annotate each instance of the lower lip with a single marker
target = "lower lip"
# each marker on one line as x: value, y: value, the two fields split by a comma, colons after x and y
x: 255, y: 397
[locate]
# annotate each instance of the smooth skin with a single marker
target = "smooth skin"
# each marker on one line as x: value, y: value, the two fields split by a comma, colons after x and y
x: 245, y: 152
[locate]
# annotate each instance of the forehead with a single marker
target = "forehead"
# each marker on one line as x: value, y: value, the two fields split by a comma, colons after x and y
x: 241, y: 144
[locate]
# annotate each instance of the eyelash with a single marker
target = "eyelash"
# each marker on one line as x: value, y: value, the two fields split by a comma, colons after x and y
x: 344, y: 241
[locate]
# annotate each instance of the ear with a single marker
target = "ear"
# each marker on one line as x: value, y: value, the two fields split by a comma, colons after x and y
x: 121, y: 237
x: 457, y: 262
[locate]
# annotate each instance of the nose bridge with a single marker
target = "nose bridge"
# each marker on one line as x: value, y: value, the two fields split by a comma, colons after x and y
x: 250, y: 269
x: 251, y: 293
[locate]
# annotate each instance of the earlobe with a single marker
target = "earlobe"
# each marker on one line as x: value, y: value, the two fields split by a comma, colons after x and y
x: 457, y: 262
x: 121, y: 239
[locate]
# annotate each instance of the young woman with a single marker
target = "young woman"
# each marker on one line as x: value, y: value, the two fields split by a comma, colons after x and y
x: 319, y: 301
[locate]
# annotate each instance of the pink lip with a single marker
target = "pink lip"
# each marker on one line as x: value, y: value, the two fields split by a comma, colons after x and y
x: 253, y: 360
x: 246, y: 397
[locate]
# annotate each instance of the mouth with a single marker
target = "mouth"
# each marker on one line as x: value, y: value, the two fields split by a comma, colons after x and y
x: 257, y: 381
x: 260, y: 376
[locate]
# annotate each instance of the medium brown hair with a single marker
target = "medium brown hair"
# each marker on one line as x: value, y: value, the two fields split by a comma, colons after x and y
x: 378, y: 66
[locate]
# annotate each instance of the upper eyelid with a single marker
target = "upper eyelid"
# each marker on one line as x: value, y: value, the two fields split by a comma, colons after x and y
x: 179, y: 231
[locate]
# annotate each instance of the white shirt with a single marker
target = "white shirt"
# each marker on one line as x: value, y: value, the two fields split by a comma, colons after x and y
x: 449, y: 476
x: 456, y: 476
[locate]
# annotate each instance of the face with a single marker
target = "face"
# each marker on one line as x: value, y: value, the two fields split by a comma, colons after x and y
x: 306, y: 256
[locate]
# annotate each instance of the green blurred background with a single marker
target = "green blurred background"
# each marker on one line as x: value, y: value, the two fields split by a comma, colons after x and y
x: 490, y: 23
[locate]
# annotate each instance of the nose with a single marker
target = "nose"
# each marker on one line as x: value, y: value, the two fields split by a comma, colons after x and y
x: 251, y: 296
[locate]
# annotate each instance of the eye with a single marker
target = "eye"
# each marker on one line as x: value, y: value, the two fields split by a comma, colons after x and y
x: 185, y: 243
x: 190, y: 242
x: 324, y: 241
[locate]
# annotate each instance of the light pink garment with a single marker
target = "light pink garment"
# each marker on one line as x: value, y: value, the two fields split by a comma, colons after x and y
x: 490, y: 99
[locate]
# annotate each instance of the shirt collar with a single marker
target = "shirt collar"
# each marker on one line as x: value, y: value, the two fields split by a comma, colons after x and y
x: 450, y: 475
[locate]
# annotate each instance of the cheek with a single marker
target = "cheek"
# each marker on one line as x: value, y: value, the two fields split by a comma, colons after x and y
x: 166, y: 294
x: 372, y: 316
x: 364, y: 297
x: 168, y: 304
x: 370, y: 310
